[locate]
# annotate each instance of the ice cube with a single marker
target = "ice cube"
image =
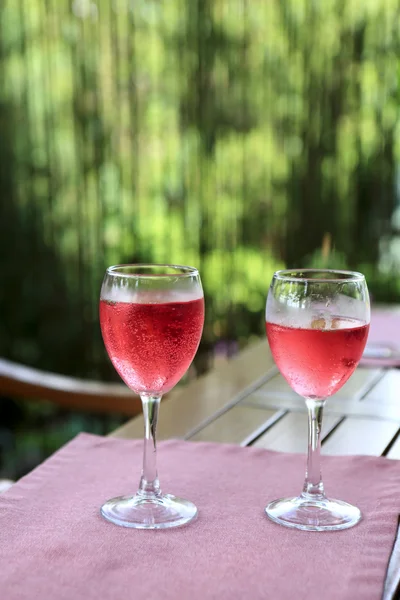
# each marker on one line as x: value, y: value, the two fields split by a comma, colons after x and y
x: 318, y: 323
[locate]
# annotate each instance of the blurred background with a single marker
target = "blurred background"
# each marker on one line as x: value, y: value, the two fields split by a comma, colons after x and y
x: 239, y: 136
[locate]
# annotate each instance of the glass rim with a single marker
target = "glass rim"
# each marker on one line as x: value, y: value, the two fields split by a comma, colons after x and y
x: 343, y: 275
x: 119, y: 270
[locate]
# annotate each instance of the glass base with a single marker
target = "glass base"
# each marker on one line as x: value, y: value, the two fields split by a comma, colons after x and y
x: 156, y: 512
x: 313, y: 515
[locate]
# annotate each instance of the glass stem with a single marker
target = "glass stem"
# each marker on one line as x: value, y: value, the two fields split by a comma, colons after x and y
x: 149, y: 484
x: 313, y: 486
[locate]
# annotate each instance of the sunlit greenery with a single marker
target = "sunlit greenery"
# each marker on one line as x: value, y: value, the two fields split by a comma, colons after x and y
x: 227, y: 134
x: 238, y: 136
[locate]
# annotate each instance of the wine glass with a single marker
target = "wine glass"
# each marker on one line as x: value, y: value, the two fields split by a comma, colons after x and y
x: 317, y: 324
x: 151, y: 320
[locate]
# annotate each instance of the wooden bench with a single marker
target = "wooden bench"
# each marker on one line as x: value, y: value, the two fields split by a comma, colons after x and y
x: 18, y: 381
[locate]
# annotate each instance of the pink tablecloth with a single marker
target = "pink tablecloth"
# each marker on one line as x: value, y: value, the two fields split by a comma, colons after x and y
x: 383, y: 347
x: 55, y: 546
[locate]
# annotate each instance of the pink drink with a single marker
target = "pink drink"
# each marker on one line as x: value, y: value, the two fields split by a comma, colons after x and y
x: 316, y: 362
x: 151, y: 344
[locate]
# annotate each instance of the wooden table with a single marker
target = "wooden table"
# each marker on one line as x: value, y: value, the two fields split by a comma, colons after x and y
x: 246, y: 401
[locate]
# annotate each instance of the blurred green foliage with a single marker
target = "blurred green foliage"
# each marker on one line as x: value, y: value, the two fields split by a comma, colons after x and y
x: 227, y: 134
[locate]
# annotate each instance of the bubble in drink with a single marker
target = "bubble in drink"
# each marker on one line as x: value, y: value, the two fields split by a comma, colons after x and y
x: 316, y: 362
x: 152, y: 342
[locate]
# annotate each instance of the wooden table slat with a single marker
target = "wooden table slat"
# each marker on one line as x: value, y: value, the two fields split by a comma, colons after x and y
x: 387, y: 390
x: 289, y: 434
x: 339, y: 406
x: 234, y: 426
x: 190, y: 408
x: 358, y: 435
x: 359, y: 384
x: 394, y: 451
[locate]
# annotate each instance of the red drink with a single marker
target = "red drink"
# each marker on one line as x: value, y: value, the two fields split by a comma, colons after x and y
x: 152, y: 343
x: 317, y: 362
